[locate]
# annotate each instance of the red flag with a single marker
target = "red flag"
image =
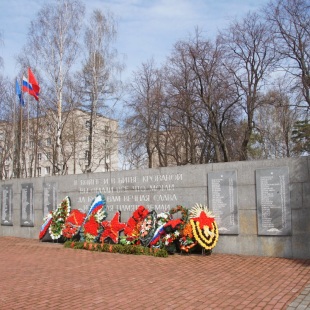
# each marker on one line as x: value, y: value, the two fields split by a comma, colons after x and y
x: 27, y: 87
x: 34, y: 84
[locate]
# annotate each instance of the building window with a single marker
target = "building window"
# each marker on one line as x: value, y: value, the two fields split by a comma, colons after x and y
x: 48, y: 141
x: 50, y: 128
x: 47, y: 170
x: 48, y: 155
x: 87, y: 124
x: 86, y: 154
x: 39, y: 171
x: 39, y: 156
x: 31, y: 144
x: 107, y: 129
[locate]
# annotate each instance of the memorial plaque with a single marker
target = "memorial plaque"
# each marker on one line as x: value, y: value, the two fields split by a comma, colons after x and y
x: 27, y: 216
x: 222, y: 200
x: 7, y: 205
x: 159, y: 191
x: 49, y: 197
x: 273, y: 201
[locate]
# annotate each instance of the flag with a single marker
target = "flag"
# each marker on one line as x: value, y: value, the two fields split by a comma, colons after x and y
x: 33, y: 82
x: 19, y: 93
x: 27, y: 88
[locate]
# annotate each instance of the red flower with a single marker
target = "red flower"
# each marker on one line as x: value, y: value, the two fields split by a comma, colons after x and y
x: 134, y: 223
x: 91, y: 226
x: 173, y: 223
x: 204, y: 220
x: 140, y: 213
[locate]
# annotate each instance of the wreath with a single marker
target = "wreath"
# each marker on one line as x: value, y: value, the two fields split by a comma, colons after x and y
x: 73, y: 224
x: 45, y: 226
x: 133, y: 226
x: 58, y: 219
x: 204, y: 227
x: 91, y: 228
x: 112, y: 228
x: 148, y: 228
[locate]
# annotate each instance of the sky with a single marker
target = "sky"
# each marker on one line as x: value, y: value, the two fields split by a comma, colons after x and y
x: 146, y: 28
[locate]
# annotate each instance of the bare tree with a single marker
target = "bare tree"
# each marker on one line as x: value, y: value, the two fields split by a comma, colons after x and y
x: 1, y: 43
x: 9, y: 150
x: 201, y: 102
x: 289, y: 20
x: 98, y: 76
x: 249, y: 58
x: 274, y: 122
x: 52, y: 48
x: 217, y: 98
x: 145, y: 110
x: 181, y: 104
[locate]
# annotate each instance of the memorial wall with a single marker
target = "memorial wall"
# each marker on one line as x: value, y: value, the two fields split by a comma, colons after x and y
x: 261, y: 207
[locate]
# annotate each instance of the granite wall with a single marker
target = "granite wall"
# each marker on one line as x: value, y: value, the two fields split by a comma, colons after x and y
x: 262, y: 207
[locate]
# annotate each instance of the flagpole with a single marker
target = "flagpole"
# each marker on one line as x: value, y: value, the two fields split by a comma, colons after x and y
x: 15, y: 143
x: 33, y: 89
x: 36, y: 141
x: 37, y: 136
x: 23, y: 154
x: 27, y: 150
x: 20, y: 142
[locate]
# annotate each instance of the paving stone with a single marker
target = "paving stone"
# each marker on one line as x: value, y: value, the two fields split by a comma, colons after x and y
x: 36, y: 275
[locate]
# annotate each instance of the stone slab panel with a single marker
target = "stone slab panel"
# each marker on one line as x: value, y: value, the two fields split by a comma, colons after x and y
x: 223, y: 200
x: 301, y: 222
x: 158, y: 190
x: 301, y: 246
x: 306, y: 195
x: 228, y: 244
x: 245, y: 171
x: 273, y: 201
x: 248, y: 245
x: 27, y: 205
x: 276, y: 246
x: 165, y: 191
x: 248, y: 222
x: 7, y: 205
x: 296, y: 196
x: 50, y: 190
x: 246, y: 197
x: 299, y: 166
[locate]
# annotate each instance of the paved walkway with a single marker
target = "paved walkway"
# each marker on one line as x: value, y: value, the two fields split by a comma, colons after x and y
x: 36, y: 275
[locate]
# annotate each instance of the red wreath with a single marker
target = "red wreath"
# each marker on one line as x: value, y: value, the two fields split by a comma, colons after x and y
x: 112, y: 228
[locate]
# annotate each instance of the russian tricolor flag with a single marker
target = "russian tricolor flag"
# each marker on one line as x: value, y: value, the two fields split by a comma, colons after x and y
x: 27, y: 88
x: 32, y: 87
